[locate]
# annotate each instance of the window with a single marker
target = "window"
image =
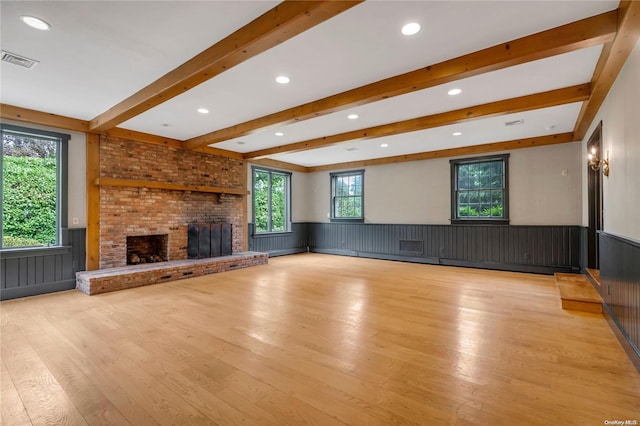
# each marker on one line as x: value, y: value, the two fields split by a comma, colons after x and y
x: 480, y: 190
x: 347, y: 196
x: 271, y: 201
x: 33, y: 181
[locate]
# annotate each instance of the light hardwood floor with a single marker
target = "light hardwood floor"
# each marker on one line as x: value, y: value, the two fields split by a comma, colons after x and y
x: 316, y: 339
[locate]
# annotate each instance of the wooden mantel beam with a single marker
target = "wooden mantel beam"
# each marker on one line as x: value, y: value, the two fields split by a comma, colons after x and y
x: 587, y: 32
x: 129, y: 183
x: 274, y: 27
x: 508, y: 106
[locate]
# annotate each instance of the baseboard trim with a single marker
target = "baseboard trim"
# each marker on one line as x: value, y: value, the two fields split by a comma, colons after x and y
x: 411, y: 259
x: 380, y: 256
x: 535, y: 269
x: 334, y: 251
x: 511, y: 267
x: 284, y: 252
x: 633, y: 352
x: 34, y: 290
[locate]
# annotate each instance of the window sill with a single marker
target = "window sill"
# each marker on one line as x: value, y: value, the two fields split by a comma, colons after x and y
x: 271, y: 234
x: 479, y: 221
x: 345, y: 220
x: 19, y: 252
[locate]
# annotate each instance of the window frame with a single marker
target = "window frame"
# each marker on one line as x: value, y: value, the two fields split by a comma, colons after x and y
x: 332, y: 183
x: 455, y: 163
x: 62, y: 169
x: 288, y: 185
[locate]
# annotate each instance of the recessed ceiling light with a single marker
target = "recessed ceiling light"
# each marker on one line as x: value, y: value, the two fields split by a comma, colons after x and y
x: 203, y: 111
x: 384, y: 145
x: 36, y: 23
x: 240, y: 142
x: 456, y: 133
x: 411, y: 28
x: 352, y: 116
x: 454, y: 92
x: 279, y: 134
x: 282, y: 79
x: 166, y: 125
x: 351, y: 149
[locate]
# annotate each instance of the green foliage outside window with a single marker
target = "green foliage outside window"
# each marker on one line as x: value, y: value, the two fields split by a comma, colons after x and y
x: 347, y: 195
x: 29, y: 191
x: 270, y: 201
x: 480, y: 189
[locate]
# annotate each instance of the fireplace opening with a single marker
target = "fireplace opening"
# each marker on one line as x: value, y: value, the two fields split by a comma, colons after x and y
x: 147, y: 249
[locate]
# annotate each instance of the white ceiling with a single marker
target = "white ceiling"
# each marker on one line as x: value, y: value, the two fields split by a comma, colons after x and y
x: 97, y: 53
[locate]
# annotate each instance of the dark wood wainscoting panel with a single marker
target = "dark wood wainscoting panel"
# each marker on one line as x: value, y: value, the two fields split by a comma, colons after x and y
x: 77, y: 239
x: 620, y: 284
x: 542, y: 249
x: 279, y: 244
x: 37, y: 271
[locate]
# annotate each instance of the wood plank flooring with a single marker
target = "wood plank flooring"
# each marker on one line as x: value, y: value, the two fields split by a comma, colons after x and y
x: 315, y: 339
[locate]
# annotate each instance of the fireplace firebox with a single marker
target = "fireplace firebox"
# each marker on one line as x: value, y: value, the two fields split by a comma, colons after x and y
x: 147, y: 249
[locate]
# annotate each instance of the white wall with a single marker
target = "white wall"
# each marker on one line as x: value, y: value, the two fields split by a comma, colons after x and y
x: 620, y: 116
x: 540, y: 191
x: 418, y: 192
x: 77, y: 205
x: 408, y: 192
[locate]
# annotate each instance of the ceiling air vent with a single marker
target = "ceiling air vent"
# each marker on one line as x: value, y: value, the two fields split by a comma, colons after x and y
x: 15, y: 59
x: 514, y: 123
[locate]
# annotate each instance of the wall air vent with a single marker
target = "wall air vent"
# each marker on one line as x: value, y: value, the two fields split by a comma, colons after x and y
x: 15, y: 59
x: 411, y: 246
x: 514, y: 123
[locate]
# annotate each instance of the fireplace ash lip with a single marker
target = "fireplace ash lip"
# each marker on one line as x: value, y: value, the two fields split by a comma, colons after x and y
x: 135, y: 259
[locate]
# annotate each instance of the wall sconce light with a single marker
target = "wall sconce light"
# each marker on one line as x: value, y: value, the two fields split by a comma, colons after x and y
x: 595, y: 163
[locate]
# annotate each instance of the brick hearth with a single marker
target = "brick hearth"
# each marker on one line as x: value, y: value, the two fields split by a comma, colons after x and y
x: 113, y: 279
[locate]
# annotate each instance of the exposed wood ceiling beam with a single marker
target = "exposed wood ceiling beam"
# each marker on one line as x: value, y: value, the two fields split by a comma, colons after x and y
x: 267, y: 162
x: 508, y: 106
x: 118, y: 132
x: 602, y: 61
x: 219, y: 151
x: 11, y: 112
x: 274, y: 27
x: 577, y: 35
x: 31, y: 116
x: 453, y: 152
x: 611, y: 62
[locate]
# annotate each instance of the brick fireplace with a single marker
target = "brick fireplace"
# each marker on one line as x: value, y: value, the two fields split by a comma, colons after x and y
x: 126, y: 212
